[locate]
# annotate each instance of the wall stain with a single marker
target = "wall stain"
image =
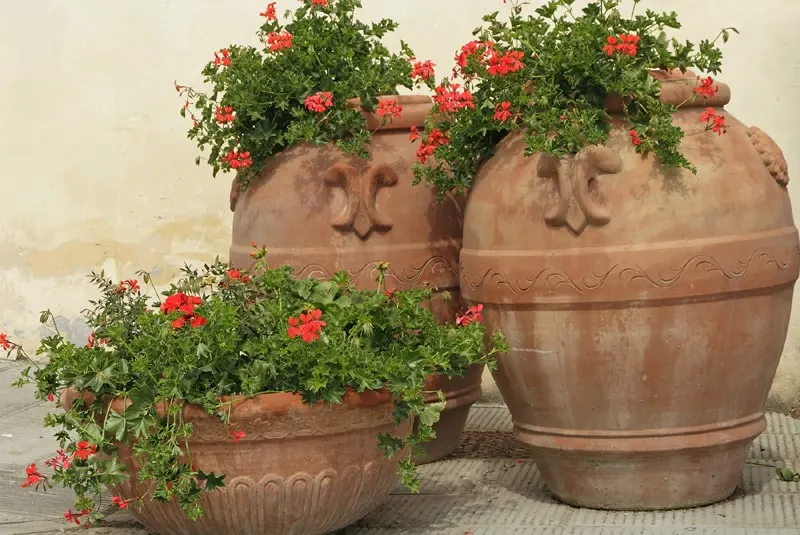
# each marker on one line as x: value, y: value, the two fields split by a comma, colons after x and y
x: 171, y: 243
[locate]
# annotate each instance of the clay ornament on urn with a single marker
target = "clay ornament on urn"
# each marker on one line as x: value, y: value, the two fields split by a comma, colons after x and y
x: 635, y: 243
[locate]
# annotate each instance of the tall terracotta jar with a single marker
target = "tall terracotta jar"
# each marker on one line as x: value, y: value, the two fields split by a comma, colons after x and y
x: 646, y: 309
x: 322, y: 211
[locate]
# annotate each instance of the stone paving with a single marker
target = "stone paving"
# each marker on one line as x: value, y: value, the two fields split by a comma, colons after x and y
x: 489, y: 486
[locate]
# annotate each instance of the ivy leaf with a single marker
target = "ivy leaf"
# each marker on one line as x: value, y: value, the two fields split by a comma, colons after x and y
x: 785, y: 474
x: 431, y: 413
x: 117, y: 424
x: 212, y: 481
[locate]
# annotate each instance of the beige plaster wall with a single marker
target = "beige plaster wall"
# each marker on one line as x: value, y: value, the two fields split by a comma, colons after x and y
x: 97, y: 172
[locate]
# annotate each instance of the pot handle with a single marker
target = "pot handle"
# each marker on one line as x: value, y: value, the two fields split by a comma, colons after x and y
x: 771, y: 154
x: 575, y: 208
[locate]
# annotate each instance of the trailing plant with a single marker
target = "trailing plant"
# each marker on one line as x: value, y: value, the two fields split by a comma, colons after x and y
x: 294, y: 88
x: 219, y: 332
x: 549, y: 75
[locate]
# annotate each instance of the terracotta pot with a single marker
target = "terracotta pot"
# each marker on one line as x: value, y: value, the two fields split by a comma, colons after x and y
x: 460, y: 394
x: 646, y: 309
x: 322, y: 211
x: 299, y: 469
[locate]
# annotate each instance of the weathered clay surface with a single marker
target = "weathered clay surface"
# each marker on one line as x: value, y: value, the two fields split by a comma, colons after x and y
x: 647, y: 309
x: 299, y: 470
x: 323, y: 212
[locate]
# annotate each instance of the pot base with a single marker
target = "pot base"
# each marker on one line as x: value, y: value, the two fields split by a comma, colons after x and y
x: 645, y: 472
x: 460, y: 393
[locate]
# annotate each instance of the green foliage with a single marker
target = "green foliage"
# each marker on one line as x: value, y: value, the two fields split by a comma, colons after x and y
x: 558, y: 96
x: 219, y: 332
x: 266, y: 89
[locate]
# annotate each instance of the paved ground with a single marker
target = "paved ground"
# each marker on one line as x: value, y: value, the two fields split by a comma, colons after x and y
x: 489, y: 487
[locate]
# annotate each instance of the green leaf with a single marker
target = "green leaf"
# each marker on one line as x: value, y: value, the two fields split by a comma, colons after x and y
x: 212, y: 481
x: 432, y: 412
x: 785, y: 474
x: 117, y: 424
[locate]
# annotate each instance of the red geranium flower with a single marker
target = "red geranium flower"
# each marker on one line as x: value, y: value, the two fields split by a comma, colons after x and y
x: 390, y: 108
x: 473, y: 314
x: 502, y: 111
x: 269, y: 13
x: 319, y: 102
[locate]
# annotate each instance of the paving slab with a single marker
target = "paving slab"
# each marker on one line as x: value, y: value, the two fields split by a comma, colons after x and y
x: 490, y: 486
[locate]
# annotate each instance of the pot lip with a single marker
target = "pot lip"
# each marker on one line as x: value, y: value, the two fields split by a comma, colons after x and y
x: 274, y: 402
x: 415, y: 110
x: 678, y: 88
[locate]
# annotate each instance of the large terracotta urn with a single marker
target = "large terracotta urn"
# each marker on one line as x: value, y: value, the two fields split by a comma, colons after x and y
x: 646, y: 308
x: 299, y: 469
x: 322, y: 211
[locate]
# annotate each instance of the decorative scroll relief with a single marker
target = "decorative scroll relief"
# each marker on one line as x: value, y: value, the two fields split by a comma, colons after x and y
x: 750, y: 263
x: 360, y: 214
x: 575, y: 208
x: 770, y: 153
x: 431, y: 269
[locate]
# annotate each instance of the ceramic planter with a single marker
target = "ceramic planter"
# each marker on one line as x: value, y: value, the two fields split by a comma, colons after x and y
x: 646, y: 309
x: 321, y: 211
x: 299, y: 469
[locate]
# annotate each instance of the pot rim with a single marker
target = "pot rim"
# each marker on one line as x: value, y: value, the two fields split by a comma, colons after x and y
x: 415, y: 110
x: 243, y: 408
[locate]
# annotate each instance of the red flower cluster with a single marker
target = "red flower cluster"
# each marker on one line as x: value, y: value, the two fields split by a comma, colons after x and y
x: 625, y: 44
x: 390, y: 293
x: 235, y: 274
x: 308, y: 326
x: 322, y: 3
x: 450, y: 99
x: 414, y: 135
x: 319, y: 102
x: 185, y: 305
x: 635, y: 138
x: 277, y: 41
x: 129, y: 285
x: 707, y: 88
x: 237, y: 436
x: 61, y: 461
x: 474, y: 48
x: 714, y: 122
x: 473, y: 314
x: 75, y: 517
x: 84, y: 450
x: 119, y: 502
x: 92, y: 340
x: 505, y: 64
x: 34, y: 477
x: 269, y: 13
x: 238, y: 160
x: 390, y: 108
x: 502, y: 112
x: 4, y: 342
x: 224, y: 59
x: 423, y: 70
x: 427, y: 148
x: 224, y: 115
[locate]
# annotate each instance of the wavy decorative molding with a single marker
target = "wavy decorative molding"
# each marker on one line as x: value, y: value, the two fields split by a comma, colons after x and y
x: 553, y: 278
x: 410, y: 275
